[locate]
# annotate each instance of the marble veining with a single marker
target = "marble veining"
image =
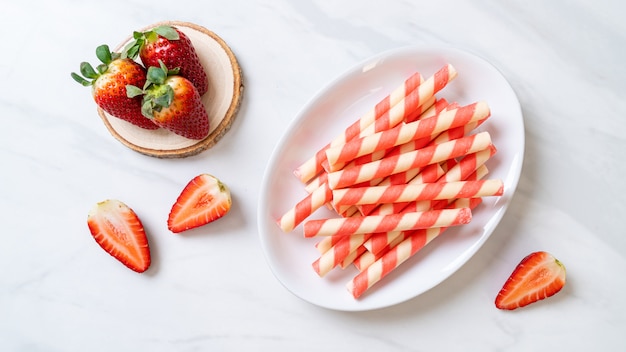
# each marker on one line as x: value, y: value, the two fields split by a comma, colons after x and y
x: 211, y: 289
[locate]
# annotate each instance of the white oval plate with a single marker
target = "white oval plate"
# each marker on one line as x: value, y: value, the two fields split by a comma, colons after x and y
x: 333, y: 109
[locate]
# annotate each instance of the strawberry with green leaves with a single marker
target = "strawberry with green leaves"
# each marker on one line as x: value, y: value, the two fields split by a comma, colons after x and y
x: 109, y: 81
x: 204, y: 200
x: 538, y: 276
x: 172, y: 102
x: 173, y: 47
x: 118, y: 230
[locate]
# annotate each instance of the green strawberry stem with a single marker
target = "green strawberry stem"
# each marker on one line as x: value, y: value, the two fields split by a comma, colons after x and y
x: 156, y: 93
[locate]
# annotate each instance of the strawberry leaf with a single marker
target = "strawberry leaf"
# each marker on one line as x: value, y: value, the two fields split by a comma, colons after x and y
x: 132, y: 91
x: 104, y: 54
x: 165, y: 100
x: 80, y: 79
x: 168, y: 32
x: 146, y: 109
x: 131, y: 50
x: 87, y: 70
x: 156, y: 75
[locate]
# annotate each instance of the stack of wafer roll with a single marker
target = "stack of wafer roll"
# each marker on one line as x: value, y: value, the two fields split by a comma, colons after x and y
x: 398, y: 177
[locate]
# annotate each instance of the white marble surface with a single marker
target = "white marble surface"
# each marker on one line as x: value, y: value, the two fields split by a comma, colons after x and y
x: 211, y: 290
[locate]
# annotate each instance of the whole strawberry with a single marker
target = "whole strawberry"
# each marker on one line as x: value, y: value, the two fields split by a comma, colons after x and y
x: 172, y: 102
x: 174, y: 48
x: 109, y: 81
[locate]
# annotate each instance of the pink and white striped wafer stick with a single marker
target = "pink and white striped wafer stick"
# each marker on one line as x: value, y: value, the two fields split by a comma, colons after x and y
x: 399, y: 178
x: 368, y: 257
x: 334, y: 256
x: 313, y: 165
x: 352, y: 257
x: 470, y: 168
x: 439, y: 105
x: 374, y: 268
x: 384, y: 223
x: 436, y: 108
x: 304, y: 208
x: 340, y: 155
x: 378, y: 244
x: 397, y: 114
x: 338, y: 248
x: 417, y: 192
x: 396, y: 256
x: 467, y: 169
x: 461, y: 171
x: 419, y: 104
x: 427, y: 174
x: 418, y: 158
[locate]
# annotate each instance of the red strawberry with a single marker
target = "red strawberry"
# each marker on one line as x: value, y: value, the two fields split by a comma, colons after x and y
x: 174, y: 48
x: 536, y: 277
x: 109, y: 86
x: 118, y: 230
x: 203, y: 200
x: 172, y: 102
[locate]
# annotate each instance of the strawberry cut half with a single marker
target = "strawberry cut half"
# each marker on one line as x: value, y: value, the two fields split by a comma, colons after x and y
x: 118, y: 230
x: 538, y: 276
x: 204, y: 200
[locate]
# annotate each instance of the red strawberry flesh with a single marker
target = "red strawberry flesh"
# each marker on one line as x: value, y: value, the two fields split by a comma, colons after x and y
x: 118, y: 230
x: 538, y: 276
x: 204, y: 200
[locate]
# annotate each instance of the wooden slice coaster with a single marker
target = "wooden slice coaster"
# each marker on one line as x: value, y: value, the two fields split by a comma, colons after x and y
x: 221, y: 101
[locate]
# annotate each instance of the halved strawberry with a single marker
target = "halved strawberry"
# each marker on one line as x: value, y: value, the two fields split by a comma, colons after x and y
x: 118, y: 230
x: 538, y: 276
x: 203, y: 200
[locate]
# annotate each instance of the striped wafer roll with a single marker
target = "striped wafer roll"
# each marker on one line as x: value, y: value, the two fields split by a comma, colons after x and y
x: 433, y: 85
x: 353, y: 256
x: 334, y: 256
x: 418, y: 158
x: 390, y: 120
x: 423, y: 128
x: 337, y: 251
x: 468, y: 165
x: 470, y: 168
x: 417, y: 192
x: 327, y: 243
x: 313, y: 165
x: 340, y: 248
x: 457, y: 132
x: 385, y: 264
x: 415, y: 103
x: 316, y: 182
x: 378, y: 242
x: 427, y: 174
x: 396, y: 256
x: 395, y: 238
x: 365, y: 259
x: 304, y: 208
x: 384, y: 223
x: 439, y: 105
x: 322, y: 177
